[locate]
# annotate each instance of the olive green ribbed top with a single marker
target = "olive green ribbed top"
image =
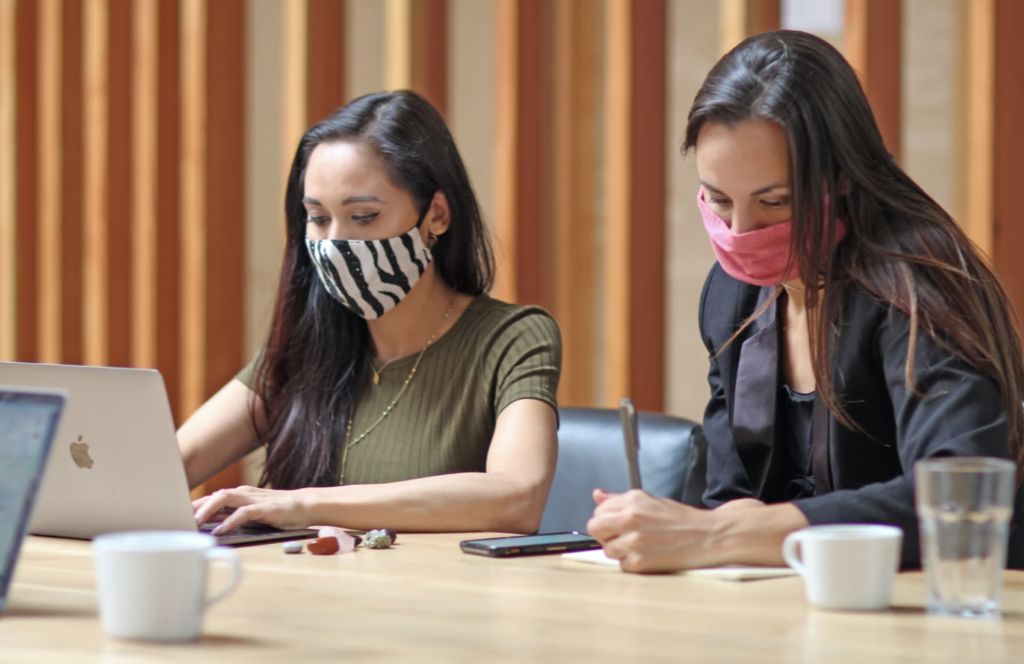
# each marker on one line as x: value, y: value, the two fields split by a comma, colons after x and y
x: 494, y: 354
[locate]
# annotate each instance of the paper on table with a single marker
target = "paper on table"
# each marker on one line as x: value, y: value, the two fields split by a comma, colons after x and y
x: 727, y: 573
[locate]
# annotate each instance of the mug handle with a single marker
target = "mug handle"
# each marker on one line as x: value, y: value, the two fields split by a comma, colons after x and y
x: 224, y: 553
x: 790, y: 553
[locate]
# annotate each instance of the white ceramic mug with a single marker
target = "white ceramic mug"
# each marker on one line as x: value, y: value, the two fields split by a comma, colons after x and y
x: 846, y: 566
x: 152, y: 584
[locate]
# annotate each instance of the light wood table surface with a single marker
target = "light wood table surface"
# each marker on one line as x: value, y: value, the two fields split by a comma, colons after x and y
x: 424, y: 600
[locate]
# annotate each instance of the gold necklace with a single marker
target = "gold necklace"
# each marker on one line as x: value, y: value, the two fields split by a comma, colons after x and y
x: 387, y: 411
x: 376, y: 372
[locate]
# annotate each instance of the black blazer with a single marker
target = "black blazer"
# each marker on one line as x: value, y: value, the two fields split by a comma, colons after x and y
x: 860, y: 477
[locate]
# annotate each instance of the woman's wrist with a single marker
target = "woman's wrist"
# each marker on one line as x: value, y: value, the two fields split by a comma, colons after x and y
x: 314, y: 501
x: 753, y: 536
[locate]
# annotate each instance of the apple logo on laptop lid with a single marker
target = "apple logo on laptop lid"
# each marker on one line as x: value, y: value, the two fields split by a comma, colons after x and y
x: 80, y: 454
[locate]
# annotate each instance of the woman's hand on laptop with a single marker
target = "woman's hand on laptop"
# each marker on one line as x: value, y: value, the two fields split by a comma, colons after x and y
x: 287, y: 510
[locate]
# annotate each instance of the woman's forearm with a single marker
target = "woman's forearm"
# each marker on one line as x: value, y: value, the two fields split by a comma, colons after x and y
x: 443, y: 503
x: 219, y: 433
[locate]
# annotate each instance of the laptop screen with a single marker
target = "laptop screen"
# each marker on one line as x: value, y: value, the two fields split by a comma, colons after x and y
x: 28, y: 422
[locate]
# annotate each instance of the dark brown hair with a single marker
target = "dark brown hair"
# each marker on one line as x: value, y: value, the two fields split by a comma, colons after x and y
x: 316, y: 352
x: 901, y: 245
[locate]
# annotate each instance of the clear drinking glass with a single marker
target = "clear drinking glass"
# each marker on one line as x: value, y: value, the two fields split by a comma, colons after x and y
x: 964, y: 505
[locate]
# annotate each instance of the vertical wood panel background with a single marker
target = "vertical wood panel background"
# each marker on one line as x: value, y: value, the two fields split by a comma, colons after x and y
x: 429, y: 51
x: 296, y: 91
x: 224, y: 205
x: 72, y: 179
x: 26, y: 161
x: 979, y: 122
x: 168, y: 203
x: 193, y: 202
x: 745, y: 18
x: 47, y: 208
x: 576, y: 240
x: 8, y: 182
x: 521, y: 118
x: 123, y: 163
x: 873, y: 46
x: 325, y: 48
x: 635, y: 203
x: 1008, y: 152
x: 145, y: 158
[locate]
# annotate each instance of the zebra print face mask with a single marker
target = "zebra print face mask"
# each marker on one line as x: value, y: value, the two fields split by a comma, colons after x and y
x: 370, y: 277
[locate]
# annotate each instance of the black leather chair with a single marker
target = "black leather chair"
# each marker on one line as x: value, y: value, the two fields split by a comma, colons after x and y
x: 592, y: 454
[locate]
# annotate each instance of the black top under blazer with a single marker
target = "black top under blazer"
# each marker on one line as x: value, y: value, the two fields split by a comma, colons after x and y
x: 859, y: 477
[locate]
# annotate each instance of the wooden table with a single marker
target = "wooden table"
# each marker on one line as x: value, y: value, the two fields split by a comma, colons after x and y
x: 424, y: 600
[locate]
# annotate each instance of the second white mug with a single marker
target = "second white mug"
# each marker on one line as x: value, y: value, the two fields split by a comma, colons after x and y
x: 848, y: 566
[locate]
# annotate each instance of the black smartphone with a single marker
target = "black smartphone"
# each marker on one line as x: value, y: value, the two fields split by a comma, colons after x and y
x: 529, y: 545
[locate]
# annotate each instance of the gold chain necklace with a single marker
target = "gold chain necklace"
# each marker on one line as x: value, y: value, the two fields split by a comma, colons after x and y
x: 376, y: 372
x: 349, y: 443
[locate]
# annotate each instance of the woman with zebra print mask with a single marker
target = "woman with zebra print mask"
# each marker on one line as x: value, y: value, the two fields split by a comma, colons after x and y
x: 391, y: 391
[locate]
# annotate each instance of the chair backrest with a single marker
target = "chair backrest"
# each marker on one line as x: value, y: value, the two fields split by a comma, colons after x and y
x: 592, y: 454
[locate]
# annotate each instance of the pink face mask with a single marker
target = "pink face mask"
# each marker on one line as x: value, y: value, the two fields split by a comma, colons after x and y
x: 758, y: 257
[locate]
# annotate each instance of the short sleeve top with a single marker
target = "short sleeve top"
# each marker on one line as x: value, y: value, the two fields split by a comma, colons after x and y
x: 494, y: 354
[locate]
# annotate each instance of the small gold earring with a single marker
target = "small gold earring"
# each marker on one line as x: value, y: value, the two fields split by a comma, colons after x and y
x: 431, y: 240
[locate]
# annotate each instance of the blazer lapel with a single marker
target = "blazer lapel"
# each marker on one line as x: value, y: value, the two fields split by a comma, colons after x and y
x: 756, y: 389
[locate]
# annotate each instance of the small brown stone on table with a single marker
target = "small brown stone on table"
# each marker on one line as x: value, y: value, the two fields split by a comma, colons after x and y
x: 323, y: 546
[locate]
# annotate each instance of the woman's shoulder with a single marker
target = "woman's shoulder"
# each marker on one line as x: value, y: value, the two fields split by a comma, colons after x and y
x: 490, y: 314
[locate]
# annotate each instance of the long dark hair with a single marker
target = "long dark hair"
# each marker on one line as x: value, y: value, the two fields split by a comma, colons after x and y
x: 316, y: 352
x: 901, y: 245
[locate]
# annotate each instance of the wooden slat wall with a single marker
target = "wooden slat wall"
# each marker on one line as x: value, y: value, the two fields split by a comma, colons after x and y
x: 416, y: 48
x: 325, y: 59
x: 8, y: 184
x: 72, y: 180
x: 223, y: 206
x: 635, y: 202
x: 872, y: 44
x: 168, y: 202
x: 978, y: 120
x: 398, y: 44
x: 429, y: 51
x: 107, y: 168
x: 1008, y: 152
x: 575, y: 217
x: 26, y: 343
x: 47, y: 206
x: 96, y: 104
x: 314, y: 71
x: 294, y: 112
x: 522, y: 123
x: 194, y: 133
x: 740, y: 19
x: 145, y: 158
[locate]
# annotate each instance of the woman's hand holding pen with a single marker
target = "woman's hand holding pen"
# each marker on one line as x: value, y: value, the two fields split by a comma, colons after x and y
x: 649, y: 534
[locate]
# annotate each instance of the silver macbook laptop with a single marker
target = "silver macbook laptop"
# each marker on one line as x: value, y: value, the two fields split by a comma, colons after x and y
x: 115, y: 464
x: 28, y: 423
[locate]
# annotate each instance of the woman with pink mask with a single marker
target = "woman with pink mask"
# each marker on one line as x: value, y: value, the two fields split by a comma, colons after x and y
x: 852, y: 327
